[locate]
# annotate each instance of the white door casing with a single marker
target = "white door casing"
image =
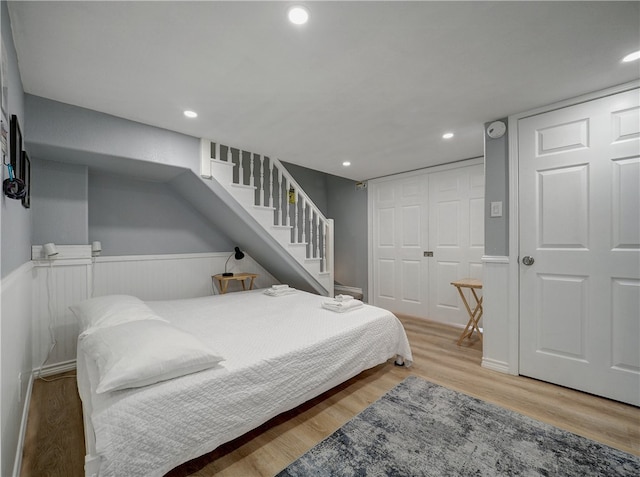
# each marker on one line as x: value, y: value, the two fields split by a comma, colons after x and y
x: 579, y: 216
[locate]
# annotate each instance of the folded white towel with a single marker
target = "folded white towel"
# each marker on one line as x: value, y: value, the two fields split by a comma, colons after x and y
x: 341, y: 306
x: 279, y: 287
x: 343, y: 298
x: 279, y: 292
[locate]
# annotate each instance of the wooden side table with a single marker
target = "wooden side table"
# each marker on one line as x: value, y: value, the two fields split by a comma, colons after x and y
x: 474, y: 316
x: 223, y: 282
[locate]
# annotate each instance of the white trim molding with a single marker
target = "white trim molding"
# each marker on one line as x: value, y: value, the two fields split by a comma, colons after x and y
x: 495, y: 365
x: 15, y: 292
x: 17, y: 463
x: 53, y: 369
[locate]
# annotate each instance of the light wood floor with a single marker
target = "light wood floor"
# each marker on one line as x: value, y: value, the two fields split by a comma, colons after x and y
x: 54, y: 442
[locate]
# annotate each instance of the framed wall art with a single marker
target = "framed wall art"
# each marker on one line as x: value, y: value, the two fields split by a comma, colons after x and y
x: 16, y: 146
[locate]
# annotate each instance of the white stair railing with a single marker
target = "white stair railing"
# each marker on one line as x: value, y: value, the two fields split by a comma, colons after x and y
x: 308, y: 224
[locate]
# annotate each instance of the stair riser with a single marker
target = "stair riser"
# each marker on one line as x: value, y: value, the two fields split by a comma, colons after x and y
x: 222, y: 172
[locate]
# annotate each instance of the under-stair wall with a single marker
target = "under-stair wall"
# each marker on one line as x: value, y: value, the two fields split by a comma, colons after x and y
x: 265, y: 189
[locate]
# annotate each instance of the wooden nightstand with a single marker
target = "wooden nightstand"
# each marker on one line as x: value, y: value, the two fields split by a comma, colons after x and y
x: 223, y: 282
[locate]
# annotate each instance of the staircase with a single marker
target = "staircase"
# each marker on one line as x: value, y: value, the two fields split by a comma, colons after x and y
x: 266, y: 190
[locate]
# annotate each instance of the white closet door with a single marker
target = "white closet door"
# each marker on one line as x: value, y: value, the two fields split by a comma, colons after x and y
x: 456, y: 238
x: 407, y: 221
x: 579, y: 251
x: 399, y: 237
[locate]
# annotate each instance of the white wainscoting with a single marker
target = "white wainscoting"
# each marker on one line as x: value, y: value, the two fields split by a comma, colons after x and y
x: 16, y: 359
x: 496, y: 348
x: 61, y: 283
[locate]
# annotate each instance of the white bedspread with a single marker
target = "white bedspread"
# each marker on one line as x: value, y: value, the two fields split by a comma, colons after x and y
x: 279, y: 352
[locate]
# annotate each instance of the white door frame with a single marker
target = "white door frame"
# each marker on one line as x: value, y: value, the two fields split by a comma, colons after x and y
x: 512, y: 321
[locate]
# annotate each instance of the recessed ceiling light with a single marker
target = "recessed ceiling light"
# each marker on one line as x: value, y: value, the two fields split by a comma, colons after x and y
x: 346, y: 163
x: 298, y: 15
x: 190, y: 114
x: 632, y: 57
x: 448, y: 135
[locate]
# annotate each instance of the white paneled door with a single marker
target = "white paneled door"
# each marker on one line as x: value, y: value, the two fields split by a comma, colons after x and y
x: 399, y: 234
x: 579, y: 174
x: 438, y: 212
x: 456, y: 238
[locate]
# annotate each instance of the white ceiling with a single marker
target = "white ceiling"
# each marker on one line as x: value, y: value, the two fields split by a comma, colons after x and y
x: 375, y: 83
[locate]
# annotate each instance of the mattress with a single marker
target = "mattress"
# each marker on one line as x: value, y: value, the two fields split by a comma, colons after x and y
x: 279, y: 352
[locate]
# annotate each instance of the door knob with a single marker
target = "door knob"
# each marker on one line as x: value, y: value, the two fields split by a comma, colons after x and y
x: 528, y: 260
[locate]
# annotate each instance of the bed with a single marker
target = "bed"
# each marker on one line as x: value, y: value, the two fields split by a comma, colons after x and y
x: 277, y: 353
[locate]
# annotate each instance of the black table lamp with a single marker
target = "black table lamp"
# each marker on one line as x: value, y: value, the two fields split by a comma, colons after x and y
x: 238, y: 256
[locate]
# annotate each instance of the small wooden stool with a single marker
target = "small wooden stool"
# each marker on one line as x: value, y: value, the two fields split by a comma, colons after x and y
x: 476, y: 314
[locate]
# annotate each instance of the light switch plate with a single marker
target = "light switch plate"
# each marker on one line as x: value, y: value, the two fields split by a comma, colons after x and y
x: 496, y: 209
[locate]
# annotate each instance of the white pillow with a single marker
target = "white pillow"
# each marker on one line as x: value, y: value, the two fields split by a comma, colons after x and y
x: 140, y: 353
x: 111, y: 310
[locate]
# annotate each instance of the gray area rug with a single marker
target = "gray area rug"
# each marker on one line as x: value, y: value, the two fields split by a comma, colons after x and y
x: 422, y: 429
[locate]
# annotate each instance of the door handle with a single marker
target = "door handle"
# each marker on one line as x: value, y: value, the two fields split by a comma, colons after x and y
x: 528, y: 260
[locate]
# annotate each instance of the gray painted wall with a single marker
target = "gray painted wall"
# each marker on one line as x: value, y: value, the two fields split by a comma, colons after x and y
x: 15, y: 250
x: 496, y: 164
x: 60, y: 203
x: 136, y: 217
x: 63, y: 128
x: 339, y: 200
x: 100, y: 177
x: 348, y: 208
x: 16, y: 220
x: 314, y: 183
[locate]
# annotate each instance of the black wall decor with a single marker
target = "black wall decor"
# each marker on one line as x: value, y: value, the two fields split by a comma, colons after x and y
x: 16, y: 146
x: 25, y: 171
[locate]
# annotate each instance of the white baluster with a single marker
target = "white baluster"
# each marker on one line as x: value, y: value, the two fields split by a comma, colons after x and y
x: 216, y: 153
x: 317, y: 231
x: 287, y: 208
x: 295, y: 221
x: 324, y: 247
x: 251, y: 179
x: 302, y: 219
x: 229, y: 155
x: 240, y: 168
x: 280, y: 197
x: 310, y: 234
x: 270, y: 183
x: 261, y: 194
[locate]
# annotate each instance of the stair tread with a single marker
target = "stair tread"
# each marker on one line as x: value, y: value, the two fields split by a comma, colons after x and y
x: 243, y: 186
x: 219, y: 161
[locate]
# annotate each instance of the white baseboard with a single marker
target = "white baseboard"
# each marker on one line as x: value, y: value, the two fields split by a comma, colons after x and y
x: 56, y: 368
x: 49, y: 370
x: 17, y: 464
x: 495, y: 365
